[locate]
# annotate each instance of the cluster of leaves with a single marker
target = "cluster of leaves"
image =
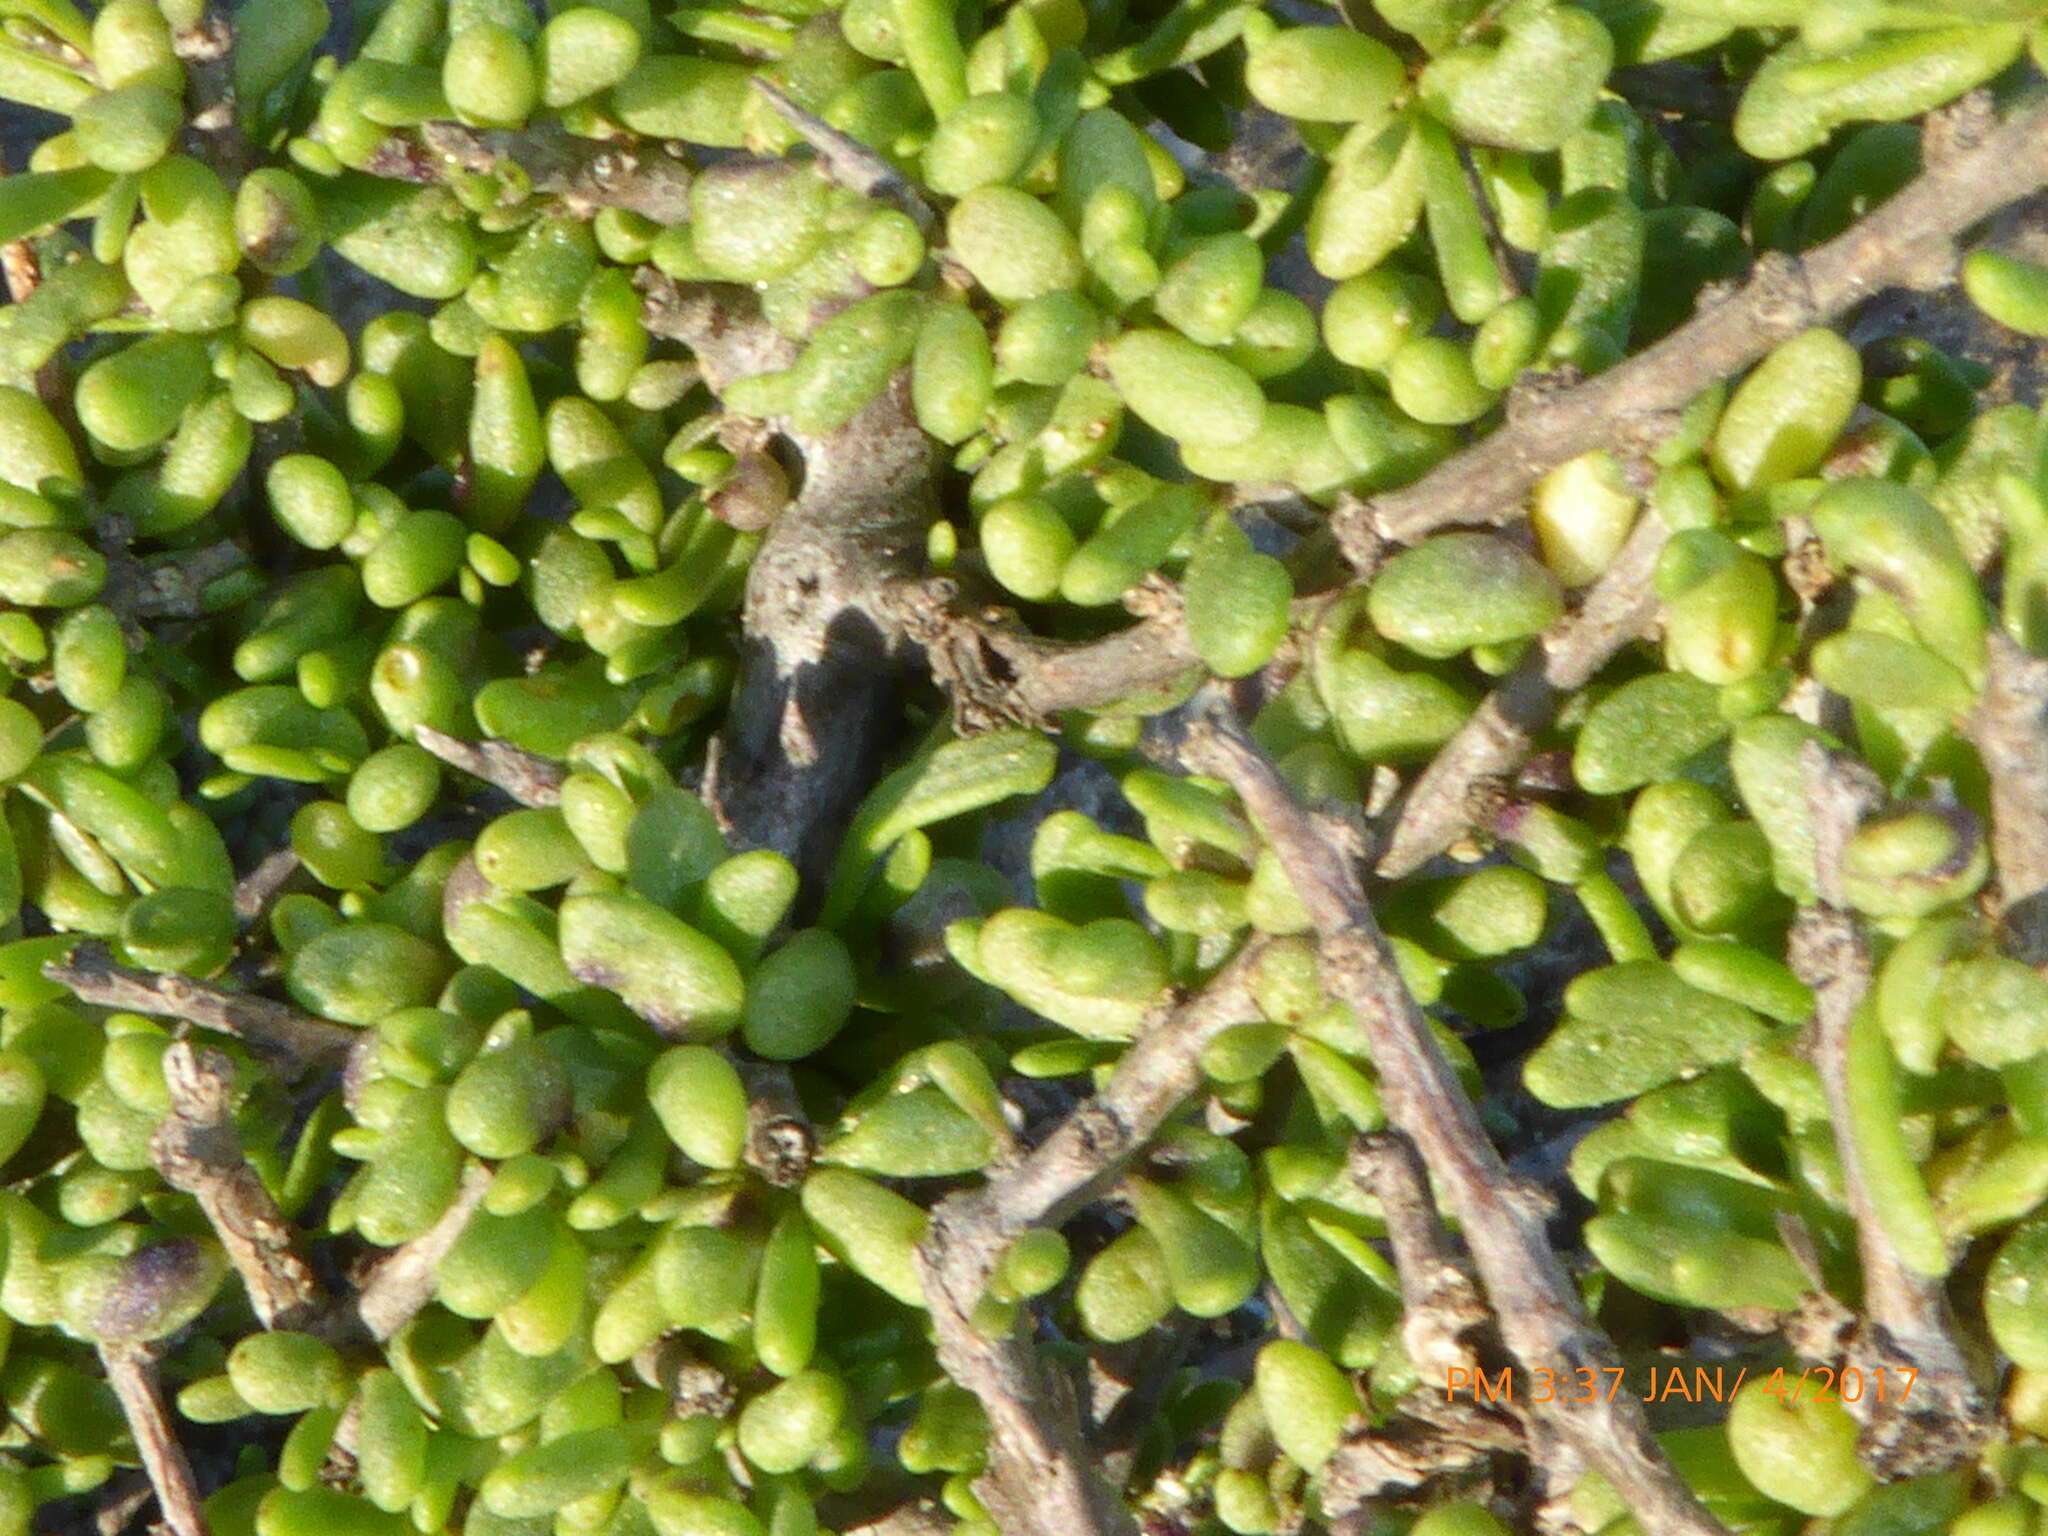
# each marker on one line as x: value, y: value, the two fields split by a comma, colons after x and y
x: 268, y: 579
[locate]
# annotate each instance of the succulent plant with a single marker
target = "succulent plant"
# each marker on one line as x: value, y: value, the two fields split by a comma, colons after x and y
x: 771, y: 762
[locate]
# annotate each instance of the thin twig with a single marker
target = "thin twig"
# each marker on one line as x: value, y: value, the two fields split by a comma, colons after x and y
x: 845, y: 159
x: 2011, y: 733
x: 583, y: 175
x: 131, y: 1372
x: 1541, y: 1318
x: 257, y: 891
x: 1907, y: 242
x: 197, y: 1150
x: 299, y: 1040
x: 404, y: 1282
x: 526, y: 776
x: 1448, y: 1335
x: 1042, y: 1479
x: 998, y: 673
x: 1947, y: 1415
x: 120, y: 1503
x: 1496, y: 738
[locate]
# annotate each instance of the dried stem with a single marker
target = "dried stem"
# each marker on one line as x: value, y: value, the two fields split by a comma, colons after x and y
x: 404, y: 1282
x: 257, y: 891
x: 131, y: 1372
x: 1440, y: 1303
x: 299, y: 1041
x: 825, y: 656
x: 168, y: 586
x: 1537, y: 1308
x: 720, y: 323
x: 998, y: 673
x: 780, y: 1141
x: 583, y: 175
x: 2011, y: 733
x: 846, y: 160
x: 1907, y: 242
x: 1447, y: 1332
x: 121, y: 1503
x: 921, y: 1518
x: 1946, y: 1415
x: 213, y: 117
x: 825, y: 661
x: 19, y: 267
x: 1496, y: 739
x: 526, y: 776
x: 1042, y: 1478
x: 198, y: 1151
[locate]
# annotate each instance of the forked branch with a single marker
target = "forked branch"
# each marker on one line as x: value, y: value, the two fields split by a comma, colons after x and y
x: 1496, y: 738
x: 1042, y: 1478
x: 1908, y: 241
x: 1541, y: 1318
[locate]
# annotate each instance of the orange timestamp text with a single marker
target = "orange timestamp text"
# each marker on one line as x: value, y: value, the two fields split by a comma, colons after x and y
x: 1582, y: 1385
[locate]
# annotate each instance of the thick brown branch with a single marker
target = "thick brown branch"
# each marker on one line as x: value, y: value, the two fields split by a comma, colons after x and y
x: 198, y: 1151
x: 298, y: 1040
x: 1538, y: 1310
x: 1041, y: 1479
x: 1495, y: 740
x: 1905, y: 1311
x: 2011, y: 733
x: 131, y: 1372
x: 824, y: 659
x: 719, y: 322
x: 1907, y: 242
x: 526, y: 776
x: 825, y: 656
